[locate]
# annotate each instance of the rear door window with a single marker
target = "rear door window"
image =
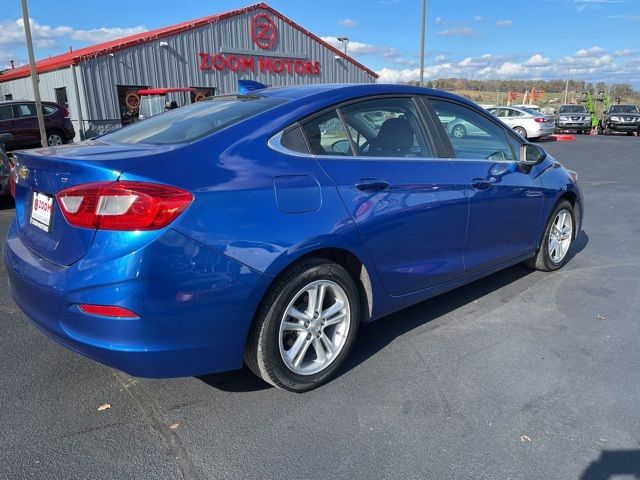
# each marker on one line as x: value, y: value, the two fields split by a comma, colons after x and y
x: 387, y: 127
x: 23, y: 110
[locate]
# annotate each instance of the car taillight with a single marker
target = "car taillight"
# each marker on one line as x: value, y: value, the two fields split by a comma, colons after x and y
x: 122, y: 205
x: 66, y: 113
x: 540, y: 119
x: 107, y: 311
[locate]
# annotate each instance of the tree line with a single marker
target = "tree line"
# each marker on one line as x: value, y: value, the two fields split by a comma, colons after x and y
x: 623, y: 90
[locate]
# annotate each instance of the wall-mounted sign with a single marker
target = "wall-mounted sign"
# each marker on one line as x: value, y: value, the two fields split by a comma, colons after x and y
x: 263, y: 31
x: 256, y: 64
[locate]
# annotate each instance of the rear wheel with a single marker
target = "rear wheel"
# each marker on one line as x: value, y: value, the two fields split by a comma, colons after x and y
x: 305, y: 327
x: 520, y: 131
x: 459, y: 131
x: 556, y: 241
x: 630, y: 134
x: 54, y: 137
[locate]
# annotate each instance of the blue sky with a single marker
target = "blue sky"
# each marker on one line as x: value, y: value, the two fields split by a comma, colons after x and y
x: 599, y: 40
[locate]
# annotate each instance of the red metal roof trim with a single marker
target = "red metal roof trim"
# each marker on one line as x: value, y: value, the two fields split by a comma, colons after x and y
x: 74, y: 57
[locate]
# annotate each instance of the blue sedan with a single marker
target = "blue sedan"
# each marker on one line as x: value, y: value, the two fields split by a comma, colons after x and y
x: 264, y: 227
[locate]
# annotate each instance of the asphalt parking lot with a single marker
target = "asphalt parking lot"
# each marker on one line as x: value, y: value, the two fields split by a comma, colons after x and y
x: 522, y: 375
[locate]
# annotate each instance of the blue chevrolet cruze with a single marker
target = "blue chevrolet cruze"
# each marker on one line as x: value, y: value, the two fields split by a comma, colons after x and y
x: 265, y: 227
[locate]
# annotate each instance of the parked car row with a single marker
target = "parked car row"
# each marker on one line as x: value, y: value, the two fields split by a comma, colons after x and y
x: 18, y: 117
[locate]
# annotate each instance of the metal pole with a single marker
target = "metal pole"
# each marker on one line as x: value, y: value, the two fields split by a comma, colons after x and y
x: 566, y: 86
x: 76, y: 91
x: 34, y: 75
x: 422, y: 35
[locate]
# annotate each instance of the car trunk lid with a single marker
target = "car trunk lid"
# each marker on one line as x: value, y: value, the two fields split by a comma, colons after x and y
x: 41, y: 173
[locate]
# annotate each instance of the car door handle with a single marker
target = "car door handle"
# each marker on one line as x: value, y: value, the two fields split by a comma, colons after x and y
x: 371, y: 184
x: 480, y: 184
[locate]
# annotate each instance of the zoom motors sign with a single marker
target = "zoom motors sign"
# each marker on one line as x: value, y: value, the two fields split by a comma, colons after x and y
x: 255, y: 64
x: 264, y: 35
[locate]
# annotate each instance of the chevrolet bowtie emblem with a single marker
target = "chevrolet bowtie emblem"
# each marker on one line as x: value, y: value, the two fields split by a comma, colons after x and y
x: 23, y: 173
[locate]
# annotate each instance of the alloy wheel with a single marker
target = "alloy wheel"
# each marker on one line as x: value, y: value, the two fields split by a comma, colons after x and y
x: 54, y: 139
x: 314, y: 327
x: 560, y: 236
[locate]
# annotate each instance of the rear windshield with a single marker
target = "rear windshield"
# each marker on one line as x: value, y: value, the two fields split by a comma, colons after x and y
x: 573, y: 109
x: 624, y: 109
x: 186, y: 124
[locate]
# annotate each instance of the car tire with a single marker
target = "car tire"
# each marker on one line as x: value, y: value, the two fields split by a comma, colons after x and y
x: 547, y: 257
x: 55, y: 138
x: 459, y: 131
x: 630, y: 134
x: 286, y: 350
x: 520, y: 131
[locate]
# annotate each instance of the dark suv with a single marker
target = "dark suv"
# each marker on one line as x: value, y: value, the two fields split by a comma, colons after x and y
x: 18, y: 117
x: 620, y: 118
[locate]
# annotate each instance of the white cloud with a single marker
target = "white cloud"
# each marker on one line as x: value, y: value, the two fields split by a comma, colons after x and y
x: 592, y: 64
x: 504, y: 23
x: 457, y: 31
x: 439, y: 20
x: 347, y: 22
x: 625, y: 53
x: 478, y: 18
x: 537, y: 60
x: 388, y: 54
x: 54, y: 38
x: 589, y: 52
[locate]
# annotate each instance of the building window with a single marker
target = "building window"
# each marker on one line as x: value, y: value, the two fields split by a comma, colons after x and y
x: 8, y: 96
x: 201, y: 93
x: 61, y: 96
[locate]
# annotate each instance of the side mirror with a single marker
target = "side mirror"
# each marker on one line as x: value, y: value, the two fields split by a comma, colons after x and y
x: 531, y: 154
x: 555, y: 112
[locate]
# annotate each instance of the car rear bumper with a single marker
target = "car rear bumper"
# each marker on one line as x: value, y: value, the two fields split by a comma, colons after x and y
x: 542, y: 131
x: 195, y: 305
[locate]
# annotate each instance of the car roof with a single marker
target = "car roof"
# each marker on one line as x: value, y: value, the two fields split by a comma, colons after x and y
x: 10, y: 102
x: 353, y: 90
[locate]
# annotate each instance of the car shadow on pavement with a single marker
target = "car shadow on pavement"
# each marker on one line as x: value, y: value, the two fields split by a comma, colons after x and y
x: 373, y: 337
x: 614, y: 464
x: 235, y: 381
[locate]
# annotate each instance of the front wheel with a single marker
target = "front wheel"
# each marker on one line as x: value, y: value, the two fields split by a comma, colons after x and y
x: 557, y: 240
x: 306, y: 326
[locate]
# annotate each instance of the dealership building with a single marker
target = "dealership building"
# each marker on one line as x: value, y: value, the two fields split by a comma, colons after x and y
x: 100, y: 84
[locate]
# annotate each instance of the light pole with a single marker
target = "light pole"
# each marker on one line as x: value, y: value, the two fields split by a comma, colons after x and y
x: 566, y: 86
x: 34, y: 75
x: 345, y: 41
x: 422, y: 36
